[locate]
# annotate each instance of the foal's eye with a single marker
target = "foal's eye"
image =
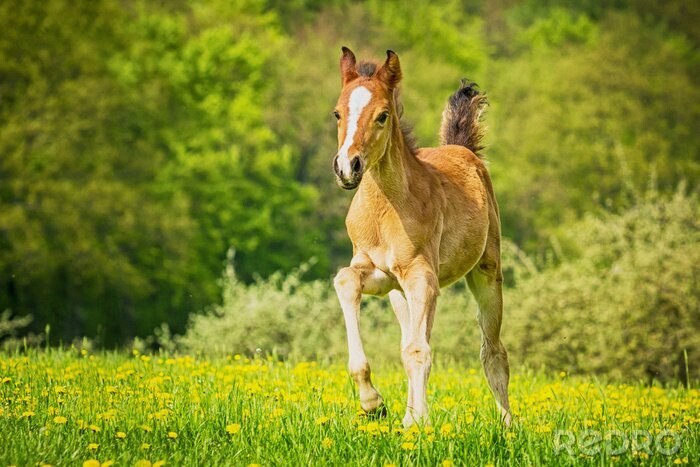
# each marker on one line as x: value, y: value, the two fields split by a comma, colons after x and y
x: 382, y: 117
x: 336, y: 114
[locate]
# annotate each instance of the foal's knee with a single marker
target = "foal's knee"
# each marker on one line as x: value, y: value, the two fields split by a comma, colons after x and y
x: 347, y: 283
x: 416, y: 353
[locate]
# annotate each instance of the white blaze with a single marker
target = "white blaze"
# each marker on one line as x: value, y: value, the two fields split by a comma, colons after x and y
x: 359, y: 98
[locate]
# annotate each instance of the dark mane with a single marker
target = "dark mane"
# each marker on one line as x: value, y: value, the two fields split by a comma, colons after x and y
x: 366, y: 69
x: 406, y: 128
x: 408, y: 138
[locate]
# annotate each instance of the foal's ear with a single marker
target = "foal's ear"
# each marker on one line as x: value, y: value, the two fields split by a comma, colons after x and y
x: 348, y: 72
x: 390, y: 72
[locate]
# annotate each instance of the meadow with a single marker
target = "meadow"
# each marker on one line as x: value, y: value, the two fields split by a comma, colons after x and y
x: 71, y: 407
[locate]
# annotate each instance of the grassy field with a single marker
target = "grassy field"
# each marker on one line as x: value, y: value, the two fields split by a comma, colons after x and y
x: 71, y: 408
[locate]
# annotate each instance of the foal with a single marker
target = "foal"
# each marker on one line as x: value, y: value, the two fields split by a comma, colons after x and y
x: 421, y: 219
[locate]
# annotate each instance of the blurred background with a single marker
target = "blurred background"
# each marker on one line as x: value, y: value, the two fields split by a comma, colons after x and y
x: 165, y: 174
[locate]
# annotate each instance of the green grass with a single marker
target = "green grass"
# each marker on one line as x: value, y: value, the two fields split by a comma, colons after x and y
x: 62, y: 408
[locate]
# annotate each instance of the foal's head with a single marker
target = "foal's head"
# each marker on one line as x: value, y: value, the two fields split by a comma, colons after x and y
x: 366, y: 113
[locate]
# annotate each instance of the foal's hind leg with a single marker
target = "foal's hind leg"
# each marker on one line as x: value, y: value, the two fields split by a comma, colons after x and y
x: 485, y: 282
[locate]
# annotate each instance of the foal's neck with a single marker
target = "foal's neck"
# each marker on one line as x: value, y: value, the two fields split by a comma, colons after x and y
x: 391, y: 175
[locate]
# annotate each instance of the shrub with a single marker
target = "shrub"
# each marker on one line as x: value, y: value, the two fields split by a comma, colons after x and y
x: 624, y: 305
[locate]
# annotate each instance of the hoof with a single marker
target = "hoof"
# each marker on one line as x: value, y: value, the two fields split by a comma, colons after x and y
x: 379, y: 412
x: 374, y: 406
x: 505, y: 416
x: 411, y: 419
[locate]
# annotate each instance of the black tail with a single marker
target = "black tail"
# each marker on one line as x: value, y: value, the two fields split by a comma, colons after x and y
x: 460, y: 119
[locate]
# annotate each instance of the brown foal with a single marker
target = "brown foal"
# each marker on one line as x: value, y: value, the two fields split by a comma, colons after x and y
x: 420, y: 220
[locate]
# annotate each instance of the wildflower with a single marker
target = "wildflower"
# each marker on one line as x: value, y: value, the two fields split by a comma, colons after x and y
x: 145, y: 446
x: 446, y: 429
x: 327, y: 443
x: 172, y: 435
x: 109, y: 463
x: 91, y: 463
x: 233, y: 428
x: 143, y: 463
x: 60, y: 420
x: 408, y: 446
x: 448, y: 463
x: 158, y: 464
x: 562, y: 374
x: 322, y: 420
x: 121, y: 435
x: 93, y: 446
x: 28, y: 413
x: 94, y: 428
x: 146, y: 428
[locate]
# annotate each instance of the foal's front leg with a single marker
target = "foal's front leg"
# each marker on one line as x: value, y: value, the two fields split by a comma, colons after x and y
x: 349, y: 283
x: 421, y: 287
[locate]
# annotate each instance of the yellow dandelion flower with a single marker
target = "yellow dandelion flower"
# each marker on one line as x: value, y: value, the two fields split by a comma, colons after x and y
x: 322, y: 420
x: 446, y: 429
x: 145, y: 446
x: 327, y: 443
x: 278, y: 412
x: 143, y: 463
x: 109, y: 463
x: 389, y: 465
x: 408, y: 446
x: 146, y: 428
x: 60, y: 420
x: 233, y: 428
x: 121, y: 435
x: 28, y: 413
x: 158, y: 464
x: 93, y: 446
x: 94, y: 428
x: 448, y: 463
x: 91, y: 463
x: 172, y: 435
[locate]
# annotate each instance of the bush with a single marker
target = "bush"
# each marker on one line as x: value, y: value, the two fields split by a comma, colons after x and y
x: 626, y: 305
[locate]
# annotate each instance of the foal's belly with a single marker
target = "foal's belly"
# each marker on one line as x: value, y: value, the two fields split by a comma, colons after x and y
x: 461, y: 248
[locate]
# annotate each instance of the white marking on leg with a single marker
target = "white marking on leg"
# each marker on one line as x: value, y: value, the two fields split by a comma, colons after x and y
x: 359, y: 98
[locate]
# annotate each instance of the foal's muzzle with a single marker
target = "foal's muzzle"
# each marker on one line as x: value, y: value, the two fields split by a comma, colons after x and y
x: 348, y: 171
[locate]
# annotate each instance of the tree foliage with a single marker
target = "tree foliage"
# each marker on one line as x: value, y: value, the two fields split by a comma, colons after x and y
x: 140, y: 141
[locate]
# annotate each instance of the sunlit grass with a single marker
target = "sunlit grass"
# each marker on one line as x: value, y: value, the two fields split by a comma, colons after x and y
x: 67, y: 408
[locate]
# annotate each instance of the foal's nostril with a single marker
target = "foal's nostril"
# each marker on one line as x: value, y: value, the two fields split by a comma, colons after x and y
x: 356, y: 165
x: 335, y: 165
